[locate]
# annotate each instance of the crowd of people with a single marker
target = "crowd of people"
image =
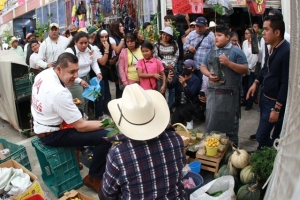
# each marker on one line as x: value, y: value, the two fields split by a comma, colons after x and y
x: 200, y: 71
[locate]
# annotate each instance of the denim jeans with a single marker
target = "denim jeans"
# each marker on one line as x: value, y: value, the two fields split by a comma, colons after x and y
x: 73, y: 138
x: 101, y: 103
x: 251, y: 78
x: 265, y: 127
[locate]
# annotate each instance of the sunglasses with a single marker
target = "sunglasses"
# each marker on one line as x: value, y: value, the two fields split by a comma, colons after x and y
x: 104, y: 36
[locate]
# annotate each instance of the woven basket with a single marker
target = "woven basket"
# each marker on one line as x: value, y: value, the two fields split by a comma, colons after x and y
x: 184, y: 132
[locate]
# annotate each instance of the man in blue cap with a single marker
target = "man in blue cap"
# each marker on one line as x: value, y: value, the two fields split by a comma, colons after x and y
x: 187, y: 87
x: 199, y: 42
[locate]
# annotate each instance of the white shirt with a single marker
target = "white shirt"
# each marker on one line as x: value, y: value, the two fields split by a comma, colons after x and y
x: 86, y: 61
x: 51, y: 103
x: 49, y: 50
x: 32, y: 60
x: 112, y: 40
x: 251, y: 58
x: 262, y: 43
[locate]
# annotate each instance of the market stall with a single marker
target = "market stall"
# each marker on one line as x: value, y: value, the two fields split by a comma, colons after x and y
x: 15, y: 90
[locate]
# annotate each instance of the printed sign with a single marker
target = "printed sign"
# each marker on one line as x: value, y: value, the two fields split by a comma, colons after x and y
x: 187, y: 6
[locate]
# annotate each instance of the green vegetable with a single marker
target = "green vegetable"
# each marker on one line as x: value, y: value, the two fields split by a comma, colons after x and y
x: 262, y: 162
x: 216, y: 194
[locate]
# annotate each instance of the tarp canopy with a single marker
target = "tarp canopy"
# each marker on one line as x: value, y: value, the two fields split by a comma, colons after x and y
x: 7, y: 97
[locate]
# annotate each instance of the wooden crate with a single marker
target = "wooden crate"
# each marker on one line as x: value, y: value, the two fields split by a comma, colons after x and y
x: 209, y: 163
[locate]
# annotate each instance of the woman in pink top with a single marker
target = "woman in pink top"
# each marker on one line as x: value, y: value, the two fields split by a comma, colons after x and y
x: 128, y: 60
x: 150, y: 70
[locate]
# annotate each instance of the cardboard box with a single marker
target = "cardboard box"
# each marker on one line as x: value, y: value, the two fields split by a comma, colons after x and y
x: 75, y: 194
x: 34, y: 188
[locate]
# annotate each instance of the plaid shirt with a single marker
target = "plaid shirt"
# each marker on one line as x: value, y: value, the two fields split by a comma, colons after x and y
x: 145, y: 169
x: 193, y: 39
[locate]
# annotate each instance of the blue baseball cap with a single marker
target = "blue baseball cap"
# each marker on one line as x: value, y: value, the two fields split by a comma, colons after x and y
x: 201, y: 21
x: 189, y: 63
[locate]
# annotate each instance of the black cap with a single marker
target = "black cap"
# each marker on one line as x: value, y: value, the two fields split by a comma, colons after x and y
x: 276, y: 13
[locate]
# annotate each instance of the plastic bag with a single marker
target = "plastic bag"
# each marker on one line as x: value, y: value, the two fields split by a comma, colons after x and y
x: 90, y: 91
x: 224, y: 184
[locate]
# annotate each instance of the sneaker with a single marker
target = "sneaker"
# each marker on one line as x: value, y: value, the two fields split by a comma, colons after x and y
x: 253, y: 137
x: 92, y: 183
x: 190, y: 125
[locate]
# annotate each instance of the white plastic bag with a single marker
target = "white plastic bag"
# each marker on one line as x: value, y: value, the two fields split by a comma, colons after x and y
x: 224, y: 184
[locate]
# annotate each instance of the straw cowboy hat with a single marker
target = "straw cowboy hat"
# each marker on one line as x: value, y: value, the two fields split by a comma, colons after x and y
x: 12, y: 40
x: 140, y: 114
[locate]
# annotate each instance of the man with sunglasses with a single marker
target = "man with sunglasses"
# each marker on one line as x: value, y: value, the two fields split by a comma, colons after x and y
x: 193, y: 39
x: 274, y: 78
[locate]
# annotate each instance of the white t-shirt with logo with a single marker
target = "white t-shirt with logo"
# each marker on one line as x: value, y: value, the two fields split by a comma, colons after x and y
x: 51, y: 103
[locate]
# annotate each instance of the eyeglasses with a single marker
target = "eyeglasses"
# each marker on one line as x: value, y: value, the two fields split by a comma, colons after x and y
x: 104, y: 36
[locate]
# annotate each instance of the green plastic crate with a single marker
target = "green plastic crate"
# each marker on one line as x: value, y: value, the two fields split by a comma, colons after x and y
x: 59, y: 167
x: 23, y: 86
x: 17, y: 153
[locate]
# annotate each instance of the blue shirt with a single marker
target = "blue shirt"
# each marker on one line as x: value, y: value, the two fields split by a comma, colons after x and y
x: 193, y: 39
x: 148, y: 169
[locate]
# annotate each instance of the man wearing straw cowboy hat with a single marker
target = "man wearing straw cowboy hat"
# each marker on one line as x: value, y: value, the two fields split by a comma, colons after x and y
x: 147, y: 162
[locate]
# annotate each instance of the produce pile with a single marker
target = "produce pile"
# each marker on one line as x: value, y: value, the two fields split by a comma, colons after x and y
x: 249, y: 171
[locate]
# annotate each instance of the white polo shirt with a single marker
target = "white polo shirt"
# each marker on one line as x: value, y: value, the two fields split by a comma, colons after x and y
x: 51, y: 103
x: 86, y: 60
x: 49, y: 50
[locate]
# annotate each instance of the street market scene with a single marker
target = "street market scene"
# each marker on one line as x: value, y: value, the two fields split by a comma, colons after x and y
x: 149, y: 99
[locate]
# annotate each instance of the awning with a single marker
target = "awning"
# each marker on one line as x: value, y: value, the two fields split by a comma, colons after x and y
x: 270, y: 4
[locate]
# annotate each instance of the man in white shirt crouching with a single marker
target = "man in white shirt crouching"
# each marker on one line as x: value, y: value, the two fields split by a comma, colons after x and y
x: 52, y: 105
x: 51, y: 47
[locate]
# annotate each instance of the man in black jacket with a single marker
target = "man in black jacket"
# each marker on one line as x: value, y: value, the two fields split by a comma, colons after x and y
x: 188, y: 85
x: 274, y: 80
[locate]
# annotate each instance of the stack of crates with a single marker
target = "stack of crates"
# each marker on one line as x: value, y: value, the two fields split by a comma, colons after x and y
x: 17, y: 153
x: 23, y: 86
x: 59, y: 167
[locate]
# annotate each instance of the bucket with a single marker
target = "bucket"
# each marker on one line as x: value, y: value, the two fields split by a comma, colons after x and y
x: 195, y: 166
x: 211, y: 151
x: 197, y: 178
x: 35, y: 197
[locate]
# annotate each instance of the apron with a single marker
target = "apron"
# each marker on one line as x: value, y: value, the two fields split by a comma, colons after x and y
x: 222, y: 109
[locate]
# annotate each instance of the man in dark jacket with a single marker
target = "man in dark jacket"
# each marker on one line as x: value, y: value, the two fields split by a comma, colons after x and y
x: 274, y: 80
x: 188, y: 85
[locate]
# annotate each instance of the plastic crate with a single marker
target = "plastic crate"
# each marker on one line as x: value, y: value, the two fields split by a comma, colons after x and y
x: 59, y: 167
x: 23, y: 86
x: 17, y: 153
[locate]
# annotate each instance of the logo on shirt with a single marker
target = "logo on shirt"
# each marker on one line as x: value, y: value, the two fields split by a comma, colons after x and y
x: 37, y: 85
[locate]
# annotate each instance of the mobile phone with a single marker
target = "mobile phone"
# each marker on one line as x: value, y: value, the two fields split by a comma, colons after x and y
x: 202, y: 94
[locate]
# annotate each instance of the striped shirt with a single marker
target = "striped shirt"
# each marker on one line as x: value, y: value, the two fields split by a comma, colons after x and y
x: 193, y: 39
x: 145, y: 169
x: 169, y: 54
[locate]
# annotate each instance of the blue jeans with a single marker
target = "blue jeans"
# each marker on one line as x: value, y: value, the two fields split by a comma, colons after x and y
x: 72, y: 138
x: 251, y: 78
x: 265, y: 127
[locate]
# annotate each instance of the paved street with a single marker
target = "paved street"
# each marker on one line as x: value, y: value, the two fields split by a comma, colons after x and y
x: 248, y: 126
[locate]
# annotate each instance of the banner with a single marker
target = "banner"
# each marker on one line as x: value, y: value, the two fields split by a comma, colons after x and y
x: 241, y: 2
x: 21, y: 2
x: 187, y: 6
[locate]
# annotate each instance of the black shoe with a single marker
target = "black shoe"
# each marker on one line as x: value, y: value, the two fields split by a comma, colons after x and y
x: 248, y: 108
x: 243, y: 104
x: 253, y: 137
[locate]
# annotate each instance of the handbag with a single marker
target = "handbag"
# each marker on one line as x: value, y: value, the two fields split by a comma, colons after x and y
x: 159, y: 82
x: 190, y: 55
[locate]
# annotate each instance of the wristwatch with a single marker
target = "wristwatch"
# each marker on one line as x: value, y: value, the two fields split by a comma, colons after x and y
x: 276, y: 110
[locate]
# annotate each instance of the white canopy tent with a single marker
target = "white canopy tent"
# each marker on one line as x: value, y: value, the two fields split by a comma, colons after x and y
x: 285, y: 180
x: 8, y: 110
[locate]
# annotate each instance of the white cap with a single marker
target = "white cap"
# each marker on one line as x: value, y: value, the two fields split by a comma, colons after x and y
x: 193, y: 23
x: 212, y: 24
x: 167, y: 30
x: 54, y: 24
